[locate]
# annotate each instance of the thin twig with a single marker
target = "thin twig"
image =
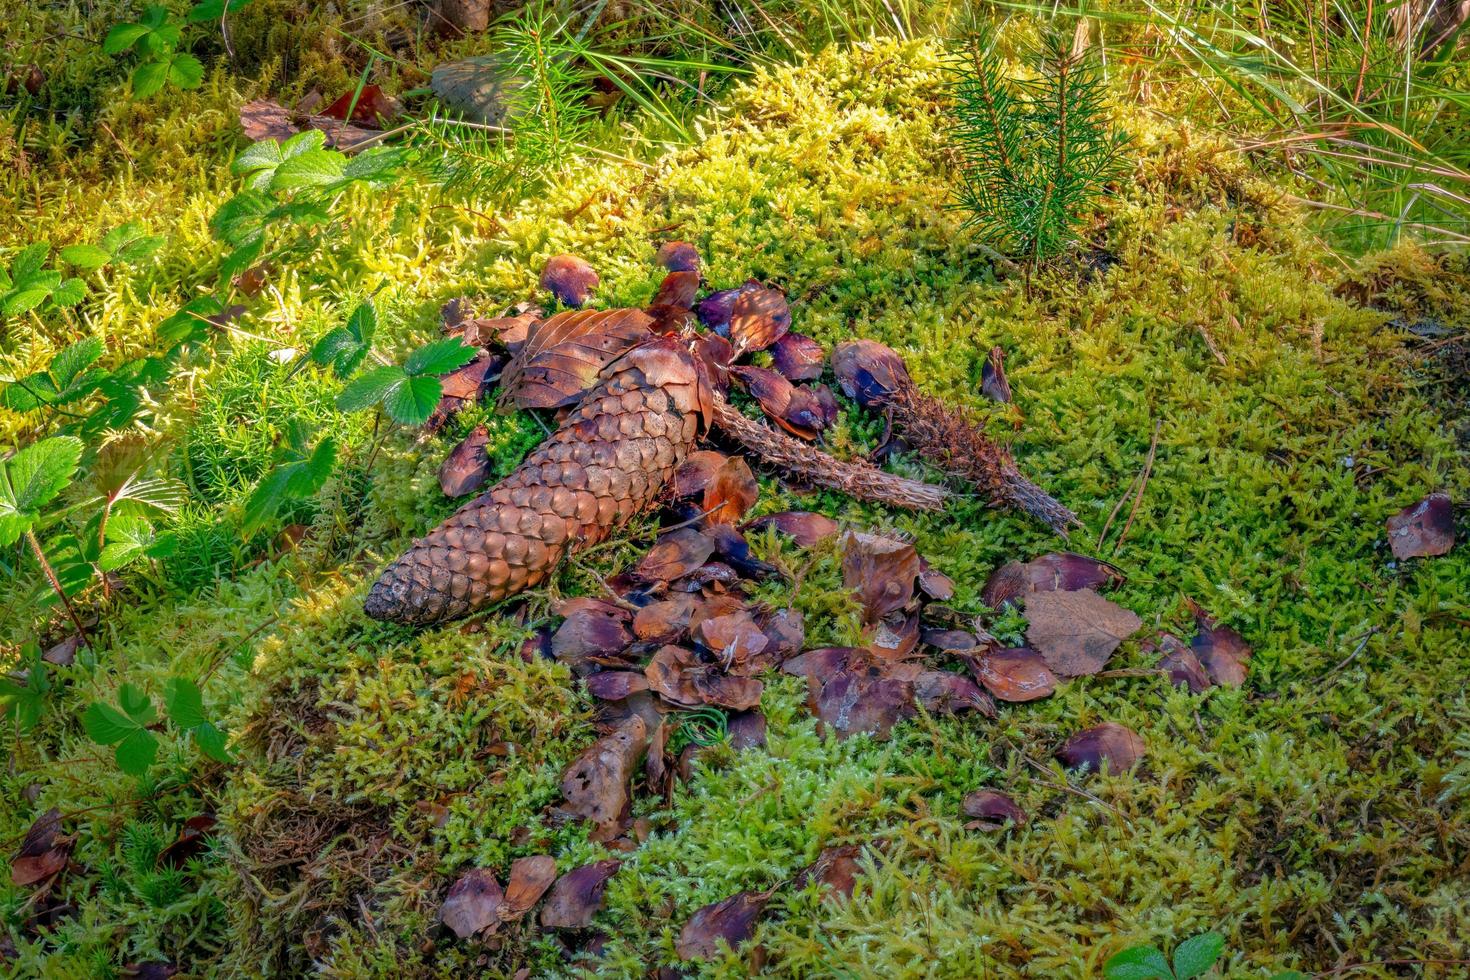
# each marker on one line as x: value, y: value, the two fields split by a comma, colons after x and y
x: 1069, y: 788
x: 1148, y: 468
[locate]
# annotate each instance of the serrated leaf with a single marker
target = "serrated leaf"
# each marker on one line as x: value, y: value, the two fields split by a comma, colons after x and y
x: 1138, y: 963
x: 414, y: 399
x: 363, y: 321
x: 189, y: 322
x: 439, y: 357
x: 34, y: 476
x: 137, y: 248
x: 1194, y: 956
x: 376, y: 164
x: 184, y: 702
x: 241, y: 259
x: 24, y: 300
x: 310, y: 168
x: 69, y: 292
x: 86, y: 256
x: 303, y: 142
x: 148, y: 78
x: 105, y: 725
x: 308, y: 476
x: 136, y: 753
x: 128, y: 537
x: 264, y: 501
x: 28, y: 261
x: 135, y: 701
x: 30, y: 392
x: 213, y: 10
x: 73, y: 359
x: 185, y: 71
x: 122, y: 37
x: 257, y: 156
x: 28, y: 702
x: 369, y: 389
x: 213, y: 742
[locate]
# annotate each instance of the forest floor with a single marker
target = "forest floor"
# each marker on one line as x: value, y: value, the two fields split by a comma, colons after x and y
x: 1317, y: 816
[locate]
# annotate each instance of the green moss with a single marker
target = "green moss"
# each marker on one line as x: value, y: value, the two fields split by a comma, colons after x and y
x: 1316, y: 817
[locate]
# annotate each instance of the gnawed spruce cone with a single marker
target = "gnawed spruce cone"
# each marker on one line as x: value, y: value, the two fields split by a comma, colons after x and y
x: 605, y: 464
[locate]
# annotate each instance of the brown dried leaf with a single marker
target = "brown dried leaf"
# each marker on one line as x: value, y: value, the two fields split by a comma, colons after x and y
x: 895, y: 636
x: 678, y: 256
x: 1014, y: 674
x: 805, y: 417
x: 577, y: 896
x: 798, y: 357
x: 674, y: 555
x: 805, y: 527
x: 1060, y: 571
x: 591, y: 628
x: 679, y: 675
x: 768, y: 388
x: 1076, y: 632
x: 473, y: 904
x: 615, y: 685
x: 1183, y: 666
x: 665, y: 620
x: 677, y: 290
x: 759, y: 318
x: 736, y: 642
x: 993, y: 383
x: 264, y: 119
x: 467, y: 466
x: 1117, y: 745
x: 43, y: 852
x: 869, y: 372
x: 193, y: 836
x: 563, y: 356
x: 597, y: 785
x: 509, y: 332
x: 529, y: 879
x: 731, y: 492
x: 569, y: 279
x: 935, y: 584
x: 882, y: 572
x: 696, y: 472
x: 944, y: 693
x: 785, y: 630
x: 716, y: 309
x: 951, y: 641
x: 1222, y: 652
x: 1423, y: 530
x: 746, y: 729
x: 836, y: 869
x: 732, y: 548
x: 990, y: 810
x: 731, y: 922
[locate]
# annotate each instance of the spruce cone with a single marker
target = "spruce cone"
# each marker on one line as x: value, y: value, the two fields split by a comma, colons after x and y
x: 605, y: 464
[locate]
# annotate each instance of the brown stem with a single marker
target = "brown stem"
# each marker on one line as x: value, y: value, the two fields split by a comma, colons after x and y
x: 50, y: 574
x: 800, y: 459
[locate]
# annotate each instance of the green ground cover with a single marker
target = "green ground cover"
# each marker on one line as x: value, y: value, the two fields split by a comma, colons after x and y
x: 1316, y: 817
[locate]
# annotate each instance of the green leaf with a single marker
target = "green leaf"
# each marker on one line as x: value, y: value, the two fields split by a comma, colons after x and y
x: 161, y: 40
x: 311, y: 168
x: 136, y: 702
x: 363, y: 321
x: 137, y: 752
x: 264, y: 501
x: 74, y: 359
x: 105, y: 725
x: 133, y: 249
x: 148, y: 78
x: 184, y: 702
x: 31, y: 478
x: 27, y: 703
x: 371, y: 388
x: 1194, y: 956
x: 308, y: 476
x: 190, y: 323
x: 24, y: 300
x: 376, y: 164
x: 86, y: 256
x: 241, y: 259
x: 28, y: 261
x: 263, y: 155
x: 1138, y: 963
x: 212, y: 742
x: 303, y: 142
x: 69, y: 293
x: 185, y: 71
x: 439, y: 357
x: 213, y: 10
x: 122, y: 37
x: 413, y: 401
x: 128, y: 538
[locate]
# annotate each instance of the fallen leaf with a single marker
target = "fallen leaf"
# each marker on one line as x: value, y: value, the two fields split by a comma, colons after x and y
x: 1061, y: 571
x: 597, y: 785
x: 482, y: 89
x: 194, y: 835
x: 731, y: 491
x: 675, y: 554
x: 746, y: 730
x: 591, y: 629
x: 798, y: 357
x: 731, y: 921
x: 1117, y: 745
x: 735, y: 642
x: 758, y: 318
x: 732, y: 548
x: 467, y: 466
x: 665, y: 620
x: 696, y: 472
x: 680, y: 676
x: 836, y: 869
x: 1077, y: 632
x: 569, y: 278
x: 563, y: 356
x: 43, y: 852
x: 990, y: 810
x: 951, y: 641
x: 465, y: 386
x: 1423, y: 530
x: 677, y: 290
x: 508, y: 332
x: 935, y: 584
x: 993, y: 383
x: 895, y: 636
x: 678, y: 257
x: 1222, y: 652
x: 803, y: 526
x: 944, y: 693
x: 868, y: 372
x: 371, y: 108
x: 1184, y: 668
x: 1015, y: 674
x: 577, y: 896
x: 149, y: 970
x: 785, y: 631
x: 615, y: 685
x: 263, y: 119
x: 716, y: 309
x: 529, y: 879
x: 770, y: 390
x: 882, y: 572
x: 473, y: 904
